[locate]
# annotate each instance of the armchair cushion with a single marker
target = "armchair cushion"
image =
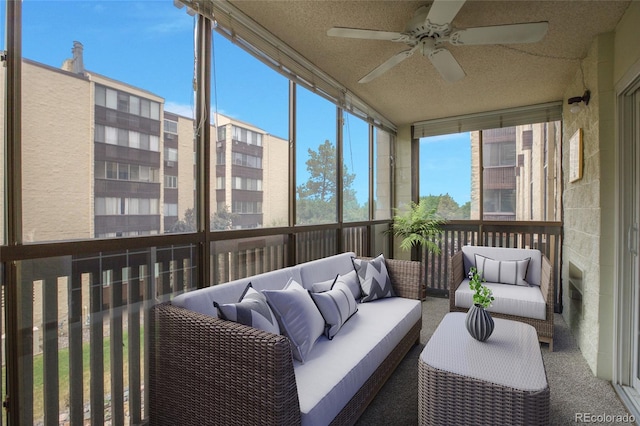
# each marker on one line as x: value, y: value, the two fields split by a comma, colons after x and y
x: 509, y: 299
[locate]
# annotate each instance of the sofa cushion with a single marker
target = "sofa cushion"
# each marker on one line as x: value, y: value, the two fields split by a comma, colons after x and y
x: 509, y: 299
x: 252, y: 310
x: 502, y: 271
x: 336, y: 306
x: 298, y: 317
x: 374, y: 278
x: 329, y: 379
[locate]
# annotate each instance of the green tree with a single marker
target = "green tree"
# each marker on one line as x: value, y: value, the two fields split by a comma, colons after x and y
x: 317, y: 196
x: 220, y: 220
x: 446, y: 207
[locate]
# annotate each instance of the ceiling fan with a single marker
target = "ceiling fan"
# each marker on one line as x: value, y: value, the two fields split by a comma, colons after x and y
x: 430, y: 27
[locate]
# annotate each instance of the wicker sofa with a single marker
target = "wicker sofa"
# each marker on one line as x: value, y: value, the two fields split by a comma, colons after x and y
x: 206, y: 370
x: 531, y: 303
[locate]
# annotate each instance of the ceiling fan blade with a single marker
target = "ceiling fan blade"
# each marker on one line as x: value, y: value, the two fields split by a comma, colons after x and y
x: 446, y: 65
x: 501, y: 34
x: 442, y: 12
x: 388, y: 64
x: 366, y: 34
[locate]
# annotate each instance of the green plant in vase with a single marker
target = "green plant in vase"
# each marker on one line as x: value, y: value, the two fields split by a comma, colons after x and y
x: 482, y: 295
x: 479, y: 323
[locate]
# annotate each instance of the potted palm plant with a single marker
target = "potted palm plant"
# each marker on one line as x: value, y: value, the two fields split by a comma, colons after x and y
x: 418, y: 227
x: 479, y: 322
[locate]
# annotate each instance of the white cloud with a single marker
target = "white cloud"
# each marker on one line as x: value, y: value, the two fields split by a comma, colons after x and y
x: 180, y: 109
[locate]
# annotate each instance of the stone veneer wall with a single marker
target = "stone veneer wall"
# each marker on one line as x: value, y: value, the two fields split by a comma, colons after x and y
x: 588, y: 206
x: 402, y: 179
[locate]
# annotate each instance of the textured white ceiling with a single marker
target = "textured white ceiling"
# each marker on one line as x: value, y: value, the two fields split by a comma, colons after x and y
x: 498, y: 76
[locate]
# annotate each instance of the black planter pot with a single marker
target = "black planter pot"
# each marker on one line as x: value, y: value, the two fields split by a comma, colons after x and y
x: 479, y: 323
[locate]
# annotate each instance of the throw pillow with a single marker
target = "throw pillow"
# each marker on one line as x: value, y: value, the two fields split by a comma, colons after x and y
x: 336, y: 306
x: 503, y: 271
x: 298, y: 316
x: 374, y: 278
x: 323, y: 285
x: 251, y: 310
x: 351, y: 280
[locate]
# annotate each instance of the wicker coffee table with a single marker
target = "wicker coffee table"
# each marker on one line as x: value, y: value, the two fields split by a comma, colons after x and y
x: 462, y: 381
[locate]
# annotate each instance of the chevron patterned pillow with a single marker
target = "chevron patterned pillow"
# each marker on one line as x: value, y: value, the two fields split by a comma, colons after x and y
x: 374, y: 278
x: 251, y: 310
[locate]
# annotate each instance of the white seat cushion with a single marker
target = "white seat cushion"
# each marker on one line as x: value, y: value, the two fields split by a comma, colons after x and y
x: 509, y: 299
x: 336, y: 369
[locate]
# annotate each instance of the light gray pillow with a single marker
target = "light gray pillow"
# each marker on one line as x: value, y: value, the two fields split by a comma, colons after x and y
x: 336, y: 306
x: 251, y: 310
x: 374, y: 278
x: 298, y: 316
x: 321, y: 286
x: 503, y: 271
x: 351, y: 280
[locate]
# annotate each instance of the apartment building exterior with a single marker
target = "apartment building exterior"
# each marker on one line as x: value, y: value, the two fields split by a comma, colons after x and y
x: 102, y: 159
x: 521, y: 173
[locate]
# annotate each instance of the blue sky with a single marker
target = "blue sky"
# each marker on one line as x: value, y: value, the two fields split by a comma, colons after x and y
x: 445, y: 166
x: 149, y: 44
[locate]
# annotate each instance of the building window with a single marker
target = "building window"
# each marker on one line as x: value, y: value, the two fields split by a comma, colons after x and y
x: 220, y: 182
x: 499, y: 201
x: 129, y: 172
x: 247, y: 136
x: 246, y: 160
x: 171, y: 126
x: 170, y: 154
x: 247, y: 207
x: 247, y: 184
x: 128, y: 138
x: 222, y: 133
x: 124, y: 102
x: 170, y: 181
x: 171, y: 209
x: 499, y: 154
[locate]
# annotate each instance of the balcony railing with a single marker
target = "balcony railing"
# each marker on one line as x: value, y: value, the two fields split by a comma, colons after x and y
x: 82, y: 319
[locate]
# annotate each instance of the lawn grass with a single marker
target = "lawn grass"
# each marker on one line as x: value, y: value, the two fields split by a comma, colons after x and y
x: 63, y: 374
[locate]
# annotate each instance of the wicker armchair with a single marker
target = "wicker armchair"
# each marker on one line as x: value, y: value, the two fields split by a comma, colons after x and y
x: 544, y: 327
x: 204, y: 370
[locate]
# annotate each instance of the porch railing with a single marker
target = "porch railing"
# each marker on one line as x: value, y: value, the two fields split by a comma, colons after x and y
x: 544, y: 236
x: 83, y: 313
x: 84, y: 309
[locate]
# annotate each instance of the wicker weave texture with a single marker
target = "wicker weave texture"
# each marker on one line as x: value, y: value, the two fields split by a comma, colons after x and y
x: 405, y: 276
x: 445, y: 398
x: 205, y: 370
x: 544, y: 328
x: 208, y: 371
x: 356, y: 406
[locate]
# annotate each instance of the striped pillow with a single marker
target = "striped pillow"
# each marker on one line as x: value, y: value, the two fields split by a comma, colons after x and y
x: 336, y: 306
x: 503, y: 271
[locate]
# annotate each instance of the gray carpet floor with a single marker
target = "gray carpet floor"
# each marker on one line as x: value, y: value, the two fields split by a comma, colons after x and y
x: 574, y: 388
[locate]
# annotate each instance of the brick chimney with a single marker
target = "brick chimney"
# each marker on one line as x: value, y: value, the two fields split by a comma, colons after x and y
x: 77, y: 63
